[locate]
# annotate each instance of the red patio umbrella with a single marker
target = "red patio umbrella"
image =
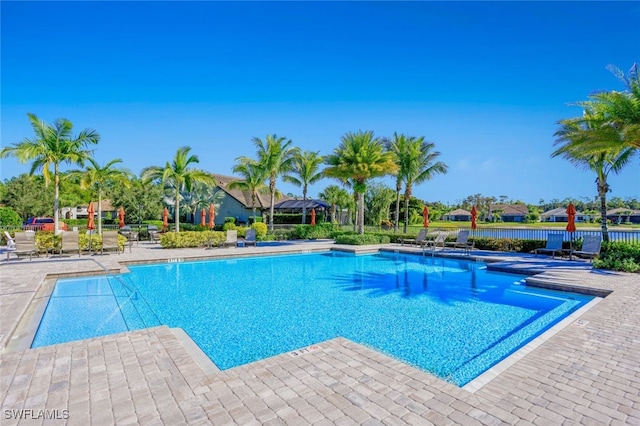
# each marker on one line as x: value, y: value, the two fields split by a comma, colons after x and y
x: 212, y: 215
x: 474, y: 217
x: 571, y: 225
x: 313, y: 217
x: 425, y: 217
x: 90, y: 212
x: 121, y: 216
x: 571, y: 218
x: 203, y: 217
x: 165, y: 218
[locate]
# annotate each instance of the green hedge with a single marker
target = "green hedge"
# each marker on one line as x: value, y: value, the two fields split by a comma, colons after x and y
x: 320, y: 231
x: 362, y: 239
x: 619, y: 256
x: 191, y: 239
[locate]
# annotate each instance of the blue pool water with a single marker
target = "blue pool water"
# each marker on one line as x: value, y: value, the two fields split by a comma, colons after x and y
x: 452, y: 318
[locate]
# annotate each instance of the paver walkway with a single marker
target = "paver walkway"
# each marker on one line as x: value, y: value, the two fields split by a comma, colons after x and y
x: 586, y: 373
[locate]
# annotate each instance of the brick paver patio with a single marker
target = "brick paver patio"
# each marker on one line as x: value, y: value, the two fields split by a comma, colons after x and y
x: 585, y: 373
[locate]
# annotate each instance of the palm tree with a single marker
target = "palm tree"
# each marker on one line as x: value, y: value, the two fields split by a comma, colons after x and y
x: 333, y: 195
x: 200, y: 196
x: 275, y: 158
x: 51, y: 147
x: 613, y: 111
x: 397, y: 146
x: 253, y: 181
x: 418, y: 164
x: 179, y: 175
x: 359, y: 157
x: 574, y: 136
x: 100, y: 178
x: 306, y: 165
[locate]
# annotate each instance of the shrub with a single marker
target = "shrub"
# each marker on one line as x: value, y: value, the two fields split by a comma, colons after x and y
x: 9, y: 218
x: 362, y: 239
x: 619, y: 256
x: 261, y: 229
x: 48, y: 241
x: 229, y: 225
x: 320, y: 231
x: 191, y: 239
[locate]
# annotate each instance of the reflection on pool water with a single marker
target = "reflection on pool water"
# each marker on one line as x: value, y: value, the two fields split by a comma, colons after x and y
x: 452, y: 318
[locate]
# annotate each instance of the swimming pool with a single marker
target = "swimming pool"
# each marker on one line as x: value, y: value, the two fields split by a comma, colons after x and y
x: 452, y: 318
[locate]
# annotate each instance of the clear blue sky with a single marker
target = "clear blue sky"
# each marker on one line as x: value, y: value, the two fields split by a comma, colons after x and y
x: 486, y: 82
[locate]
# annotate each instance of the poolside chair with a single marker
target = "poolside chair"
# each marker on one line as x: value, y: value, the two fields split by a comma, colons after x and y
x: 25, y: 244
x: 110, y: 242
x: 462, y: 241
x: 232, y: 238
x: 418, y: 240
x: 154, y: 234
x: 590, y: 247
x: 554, y: 245
x: 11, y: 243
x: 250, y: 237
x: 440, y: 239
x: 70, y: 242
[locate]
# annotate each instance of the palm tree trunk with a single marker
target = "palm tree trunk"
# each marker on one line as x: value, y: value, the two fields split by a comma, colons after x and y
x: 56, y: 214
x: 360, y: 213
x: 333, y: 213
x: 407, y: 197
x: 177, y: 212
x: 272, y: 189
x: 396, y: 222
x: 99, y: 212
x: 304, y: 205
x: 603, y: 209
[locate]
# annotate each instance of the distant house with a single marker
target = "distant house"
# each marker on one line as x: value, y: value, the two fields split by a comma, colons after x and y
x: 458, y: 215
x: 622, y: 215
x: 80, y: 212
x: 560, y: 215
x: 508, y: 212
x: 237, y: 203
x: 295, y: 205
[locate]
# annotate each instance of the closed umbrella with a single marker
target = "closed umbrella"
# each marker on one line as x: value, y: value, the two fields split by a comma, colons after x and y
x: 571, y: 225
x: 165, y: 218
x: 203, y: 217
x: 90, y: 212
x: 425, y: 217
x: 212, y: 215
x: 90, y: 225
x: 121, y: 217
x: 313, y: 217
x: 474, y: 217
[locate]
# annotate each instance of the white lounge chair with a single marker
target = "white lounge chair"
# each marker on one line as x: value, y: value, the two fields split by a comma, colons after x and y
x: 11, y: 243
x: 554, y: 245
x: 250, y: 237
x: 25, y: 244
x: 591, y: 245
x: 232, y: 238
x: 462, y: 241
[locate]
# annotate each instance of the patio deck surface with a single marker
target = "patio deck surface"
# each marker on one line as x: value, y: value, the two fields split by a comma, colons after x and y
x: 585, y: 373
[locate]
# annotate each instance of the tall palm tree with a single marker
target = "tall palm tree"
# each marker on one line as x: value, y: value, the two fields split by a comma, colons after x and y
x: 418, y: 164
x: 574, y: 136
x: 397, y: 146
x: 306, y: 166
x: 253, y: 180
x: 180, y: 175
x: 100, y: 178
x: 275, y: 158
x: 360, y: 157
x: 51, y: 147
